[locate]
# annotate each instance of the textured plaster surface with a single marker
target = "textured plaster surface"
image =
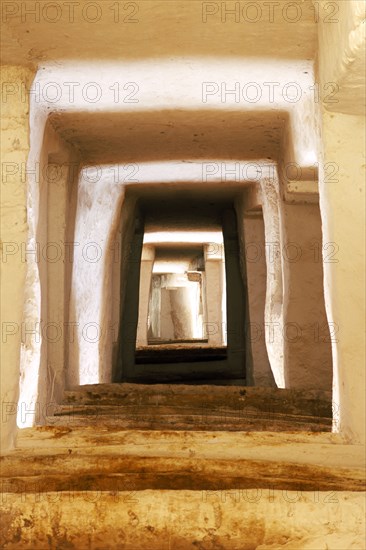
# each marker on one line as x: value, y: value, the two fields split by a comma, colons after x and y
x: 342, y: 58
x: 135, y: 31
x: 52, y: 174
x: 306, y: 335
x: 221, y: 520
x: 159, y: 119
x: 254, y: 247
x: 342, y: 205
x: 97, y: 218
x: 274, y: 293
x: 343, y: 225
x: 14, y: 153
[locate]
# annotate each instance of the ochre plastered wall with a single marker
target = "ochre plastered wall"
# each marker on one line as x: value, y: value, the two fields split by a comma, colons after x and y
x: 14, y: 150
x: 343, y: 210
x: 342, y: 203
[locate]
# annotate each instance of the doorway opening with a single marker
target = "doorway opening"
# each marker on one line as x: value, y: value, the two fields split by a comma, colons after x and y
x: 177, y: 304
x: 184, y: 311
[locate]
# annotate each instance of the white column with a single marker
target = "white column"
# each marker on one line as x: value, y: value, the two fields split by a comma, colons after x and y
x: 274, y: 294
x: 14, y: 153
x: 256, y: 279
x: 342, y: 204
x: 305, y: 333
x: 147, y: 263
x: 213, y: 255
x: 343, y: 217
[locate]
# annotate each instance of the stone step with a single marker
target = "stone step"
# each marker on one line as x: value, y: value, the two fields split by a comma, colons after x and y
x: 315, y: 403
x: 181, y: 418
x: 179, y: 423
x: 159, y: 355
x: 183, y: 520
x: 178, y: 437
x: 184, y: 407
x: 95, y: 458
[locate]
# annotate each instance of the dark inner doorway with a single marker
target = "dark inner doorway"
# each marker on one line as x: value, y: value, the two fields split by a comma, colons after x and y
x: 185, y: 361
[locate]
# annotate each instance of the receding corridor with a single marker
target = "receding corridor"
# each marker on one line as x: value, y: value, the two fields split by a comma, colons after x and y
x: 183, y: 289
